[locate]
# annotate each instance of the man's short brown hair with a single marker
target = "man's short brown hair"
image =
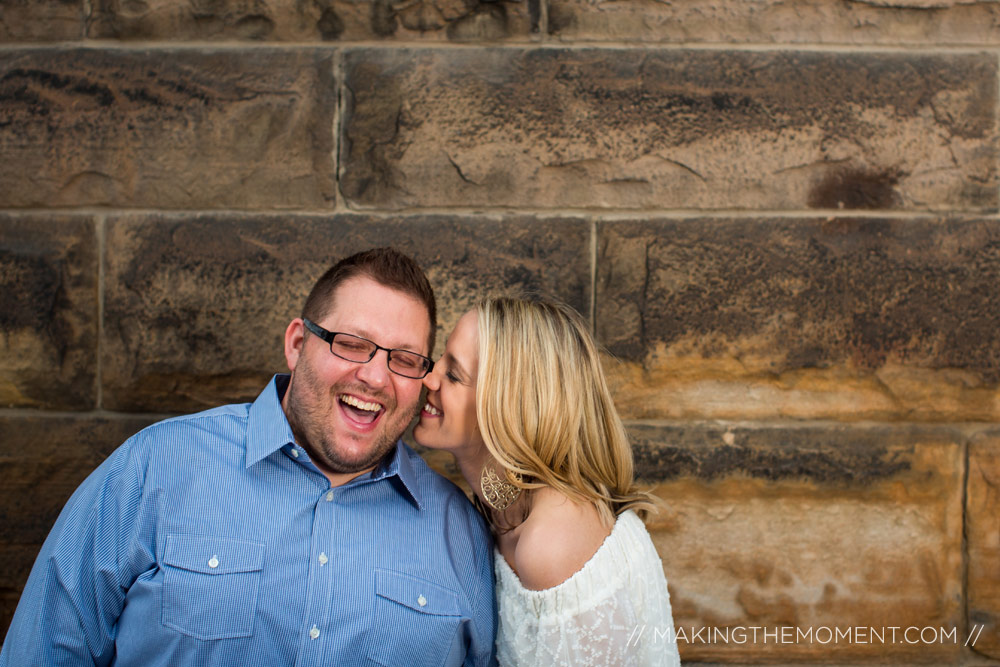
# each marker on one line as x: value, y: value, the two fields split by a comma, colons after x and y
x: 386, y: 266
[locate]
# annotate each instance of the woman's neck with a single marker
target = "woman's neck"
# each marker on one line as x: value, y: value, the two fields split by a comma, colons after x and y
x: 470, y: 462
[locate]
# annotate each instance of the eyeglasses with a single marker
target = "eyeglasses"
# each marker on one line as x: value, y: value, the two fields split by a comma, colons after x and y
x: 361, y: 351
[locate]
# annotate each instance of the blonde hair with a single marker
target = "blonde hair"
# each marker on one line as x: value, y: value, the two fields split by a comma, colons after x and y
x: 544, y: 408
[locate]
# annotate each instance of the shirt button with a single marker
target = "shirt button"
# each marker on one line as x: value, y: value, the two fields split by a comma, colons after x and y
x: 295, y: 453
x: 421, y: 601
x: 329, y: 496
x: 323, y: 560
x: 213, y: 562
x: 314, y: 633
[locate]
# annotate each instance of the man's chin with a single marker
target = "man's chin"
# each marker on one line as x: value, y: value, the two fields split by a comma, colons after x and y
x: 342, y: 463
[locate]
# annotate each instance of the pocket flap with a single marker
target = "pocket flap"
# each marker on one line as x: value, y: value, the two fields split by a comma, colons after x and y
x: 213, y: 555
x: 417, y: 594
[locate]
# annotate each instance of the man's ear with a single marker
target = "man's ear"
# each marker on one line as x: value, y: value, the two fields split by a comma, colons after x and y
x: 294, y: 338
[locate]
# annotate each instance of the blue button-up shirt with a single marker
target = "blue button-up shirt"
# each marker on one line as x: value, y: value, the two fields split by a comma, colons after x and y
x: 211, y: 539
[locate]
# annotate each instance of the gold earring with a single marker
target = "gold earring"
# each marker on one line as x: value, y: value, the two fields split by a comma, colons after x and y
x: 498, y: 493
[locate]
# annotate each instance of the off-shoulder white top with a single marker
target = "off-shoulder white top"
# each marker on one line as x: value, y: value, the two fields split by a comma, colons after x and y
x: 615, y: 611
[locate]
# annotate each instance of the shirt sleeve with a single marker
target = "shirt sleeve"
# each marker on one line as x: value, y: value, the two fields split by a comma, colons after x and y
x: 68, y: 612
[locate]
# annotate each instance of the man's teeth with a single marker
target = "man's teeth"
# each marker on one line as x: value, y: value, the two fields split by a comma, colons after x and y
x: 361, y: 405
x: 431, y: 410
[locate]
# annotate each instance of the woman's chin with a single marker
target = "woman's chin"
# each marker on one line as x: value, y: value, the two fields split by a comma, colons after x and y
x: 423, y: 436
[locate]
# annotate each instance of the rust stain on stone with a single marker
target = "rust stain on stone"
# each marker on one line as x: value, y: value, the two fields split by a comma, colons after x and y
x: 856, y: 188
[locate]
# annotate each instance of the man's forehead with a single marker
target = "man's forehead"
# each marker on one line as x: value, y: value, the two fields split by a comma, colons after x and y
x: 390, y: 317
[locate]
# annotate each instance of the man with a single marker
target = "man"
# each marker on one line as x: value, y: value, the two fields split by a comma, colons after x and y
x: 295, y: 530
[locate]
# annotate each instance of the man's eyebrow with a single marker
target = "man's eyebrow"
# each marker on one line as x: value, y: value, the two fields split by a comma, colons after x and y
x: 363, y: 333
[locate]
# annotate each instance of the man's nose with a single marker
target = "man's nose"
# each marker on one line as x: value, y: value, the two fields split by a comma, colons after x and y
x: 376, y: 372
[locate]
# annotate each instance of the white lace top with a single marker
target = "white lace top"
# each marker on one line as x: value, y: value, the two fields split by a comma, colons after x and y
x: 614, y: 612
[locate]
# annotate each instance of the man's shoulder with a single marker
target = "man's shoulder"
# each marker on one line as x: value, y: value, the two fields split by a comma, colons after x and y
x: 226, y: 422
x: 206, y: 419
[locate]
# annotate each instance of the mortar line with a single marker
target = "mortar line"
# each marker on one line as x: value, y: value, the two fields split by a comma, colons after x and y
x: 543, y: 23
x: 340, y: 82
x: 528, y: 43
x: 503, y: 211
x: 100, y: 223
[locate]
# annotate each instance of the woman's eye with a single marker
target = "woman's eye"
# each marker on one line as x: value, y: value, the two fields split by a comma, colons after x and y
x: 451, y: 376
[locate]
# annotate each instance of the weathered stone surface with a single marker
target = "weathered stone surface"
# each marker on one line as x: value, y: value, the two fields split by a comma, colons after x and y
x: 809, y: 527
x: 831, y: 318
x: 196, y: 307
x: 983, y: 537
x: 41, y: 20
x: 168, y: 129
x: 42, y: 461
x: 15, y: 566
x: 323, y: 20
x: 611, y: 128
x: 48, y: 311
x: 883, y: 22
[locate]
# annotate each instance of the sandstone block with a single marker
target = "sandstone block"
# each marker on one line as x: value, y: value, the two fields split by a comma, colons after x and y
x: 167, y: 129
x: 42, y: 461
x: 196, y: 307
x: 983, y: 535
x: 41, y: 20
x: 48, y: 311
x: 882, y: 22
x: 831, y: 318
x: 324, y: 20
x: 818, y: 529
x: 612, y: 128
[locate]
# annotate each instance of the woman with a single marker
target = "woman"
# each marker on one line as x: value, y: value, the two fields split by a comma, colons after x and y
x: 520, y: 399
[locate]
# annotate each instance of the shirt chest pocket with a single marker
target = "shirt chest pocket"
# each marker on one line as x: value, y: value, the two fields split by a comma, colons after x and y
x: 418, y: 623
x: 210, y: 585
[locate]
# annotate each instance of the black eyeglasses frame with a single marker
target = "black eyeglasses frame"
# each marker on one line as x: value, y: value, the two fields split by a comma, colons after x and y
x: 329, y: 336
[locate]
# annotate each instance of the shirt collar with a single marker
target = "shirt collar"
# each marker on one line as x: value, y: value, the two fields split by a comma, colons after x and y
x: 398, y: 464
x: 268, y: 431
x: 267, y: 428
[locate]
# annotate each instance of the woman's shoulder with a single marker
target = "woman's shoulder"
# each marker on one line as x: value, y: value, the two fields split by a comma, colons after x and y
x: 557, y: 539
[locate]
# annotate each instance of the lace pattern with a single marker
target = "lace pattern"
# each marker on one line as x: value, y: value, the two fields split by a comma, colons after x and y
x: 615, y: 611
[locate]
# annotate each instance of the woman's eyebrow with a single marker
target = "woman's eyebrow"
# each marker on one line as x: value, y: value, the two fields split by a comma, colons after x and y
x: 453, y: 364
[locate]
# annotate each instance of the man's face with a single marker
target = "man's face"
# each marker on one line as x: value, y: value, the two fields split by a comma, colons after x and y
x: 347, y: 415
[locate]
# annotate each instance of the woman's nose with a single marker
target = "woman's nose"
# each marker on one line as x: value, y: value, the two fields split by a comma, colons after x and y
x: 431, y: 380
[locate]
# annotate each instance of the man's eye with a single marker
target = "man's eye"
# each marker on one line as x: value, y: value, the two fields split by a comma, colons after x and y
x: 407, y: 362
x: 352, y: 345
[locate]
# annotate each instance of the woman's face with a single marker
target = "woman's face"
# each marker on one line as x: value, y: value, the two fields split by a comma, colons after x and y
x: 448, y: 419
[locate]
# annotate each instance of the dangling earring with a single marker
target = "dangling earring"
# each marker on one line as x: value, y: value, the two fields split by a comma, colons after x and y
x: 498, y: 493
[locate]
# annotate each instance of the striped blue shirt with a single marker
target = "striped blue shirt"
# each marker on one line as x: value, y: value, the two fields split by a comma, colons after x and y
x: 211, y: 539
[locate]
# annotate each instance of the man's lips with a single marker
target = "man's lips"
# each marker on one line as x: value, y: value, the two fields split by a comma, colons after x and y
x: 362, y: 413
x: 360, y: 403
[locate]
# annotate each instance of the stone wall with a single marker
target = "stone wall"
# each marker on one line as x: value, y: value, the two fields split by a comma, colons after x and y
x: 781, y: 218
